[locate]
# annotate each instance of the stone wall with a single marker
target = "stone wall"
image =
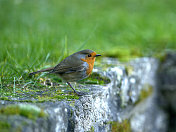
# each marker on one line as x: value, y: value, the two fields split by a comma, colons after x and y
x: 140, y: 91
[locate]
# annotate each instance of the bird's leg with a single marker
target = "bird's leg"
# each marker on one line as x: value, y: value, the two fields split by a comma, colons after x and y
x: 72, y: 87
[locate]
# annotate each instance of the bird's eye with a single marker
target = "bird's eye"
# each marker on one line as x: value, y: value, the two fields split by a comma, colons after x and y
x: 89, y: 55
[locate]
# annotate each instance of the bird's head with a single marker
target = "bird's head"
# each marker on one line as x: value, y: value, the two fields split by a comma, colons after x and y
x: 88, y: 56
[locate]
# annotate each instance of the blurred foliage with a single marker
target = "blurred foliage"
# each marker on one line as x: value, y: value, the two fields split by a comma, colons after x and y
x: 29, y: 111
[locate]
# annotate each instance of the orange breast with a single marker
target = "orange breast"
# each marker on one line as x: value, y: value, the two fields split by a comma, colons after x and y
x: 89, y: 70
x: 90, y: 61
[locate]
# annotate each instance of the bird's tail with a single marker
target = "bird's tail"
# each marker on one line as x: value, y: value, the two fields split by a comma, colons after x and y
x: 44, y: 70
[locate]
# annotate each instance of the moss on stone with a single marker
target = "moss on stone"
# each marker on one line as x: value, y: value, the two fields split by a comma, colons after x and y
x: 128, y: 69
x: 92, y: 129
x: 4, y: 126
x: 124, y: 126
x: 145, y: 92
x: 95, y: 78
x: 26, y: 110
x: 161, y: 56
x: 39, y: 95
x: 67, y: 97
x: 4, y: 98
x: 57, y: 97
x: 37, y: 91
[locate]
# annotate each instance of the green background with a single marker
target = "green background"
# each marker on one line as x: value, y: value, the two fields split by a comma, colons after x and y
x: 38, y: 33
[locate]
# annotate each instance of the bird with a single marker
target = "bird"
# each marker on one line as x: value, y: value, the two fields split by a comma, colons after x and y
x: 73, y: 68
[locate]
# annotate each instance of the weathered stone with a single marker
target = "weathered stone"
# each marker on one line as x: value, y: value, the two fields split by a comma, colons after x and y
x: 157, y: 113
x: 115, y: 101
x: 166, y: 89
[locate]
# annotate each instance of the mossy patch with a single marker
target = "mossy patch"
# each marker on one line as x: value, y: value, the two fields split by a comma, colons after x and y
x: 45, y: 98
x: 128, y: 69
x: 95, y: 78
x: 26, y: 110
x: 4, y: 126
x: 39, y: 92
x: 145, y: 92
x: 92, y: 129
x: 124, y: 126
x: 57, y: 98
x: 161, y: 56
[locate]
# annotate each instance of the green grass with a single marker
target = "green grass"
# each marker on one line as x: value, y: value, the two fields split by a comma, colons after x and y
x: 37, y: 34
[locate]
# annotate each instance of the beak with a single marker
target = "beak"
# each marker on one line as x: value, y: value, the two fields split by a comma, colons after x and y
x: 97, y: 55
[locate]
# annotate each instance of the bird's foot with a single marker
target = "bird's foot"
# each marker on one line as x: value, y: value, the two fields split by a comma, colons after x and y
x: 80, y: 93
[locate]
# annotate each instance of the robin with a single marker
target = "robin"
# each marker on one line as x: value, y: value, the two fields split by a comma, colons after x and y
x: 75, y: 67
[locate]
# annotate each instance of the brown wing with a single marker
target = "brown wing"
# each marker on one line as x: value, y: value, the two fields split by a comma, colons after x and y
x: 69, y: 65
